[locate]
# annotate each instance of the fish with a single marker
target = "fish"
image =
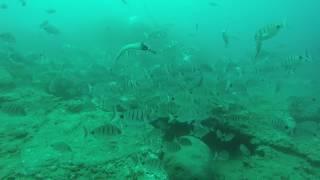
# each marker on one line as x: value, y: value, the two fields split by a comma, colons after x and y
x: 3, y: 6
x: 13, y: 109
x: 124, y: 1
x: 213, y: 4
x: 284, y: 124
x: 258, y: 48
x: 307, y: 129
x: 172, y: 147
x: 51, y: 11
x: 265, y: 33
x: 61, y: 147
x: 156, y: 35
x: 139, y: 46
x: 245, y: 151
x: 225, y: 38
x: 291, y: 63
x: 106, y: 130
x: 222, y: 155
x: 199, y: 130
x: 7, y: 37
x: 224, y: 137
x: 197, y: 27
x: 139, y: 115
x: 153, y: 163
x: 23, y: 2
x: 184, y: 141
x: 49, y: 28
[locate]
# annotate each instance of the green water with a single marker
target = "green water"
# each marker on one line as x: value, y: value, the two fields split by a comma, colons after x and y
x: 151, y: 89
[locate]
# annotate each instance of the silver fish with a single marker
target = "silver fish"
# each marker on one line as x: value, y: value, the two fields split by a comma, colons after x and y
x: 49, y: 28
x: 172, y: 147
x: 3, y: 6
x: 225, y: 38
x: 61, y: 147
x: 23, y: 2
x: 265, y: 33
x: 51, y: 11
x: 124, y: 1
x: 184, y: 141
x: 104, y: 131
x: 144, y: 114
x: 7, y: 37
x: 291, y: 63
x: 139, y: 46
x: 268, y: 31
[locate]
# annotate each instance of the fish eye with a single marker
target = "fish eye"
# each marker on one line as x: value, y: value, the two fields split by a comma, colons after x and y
x: 278, y: 26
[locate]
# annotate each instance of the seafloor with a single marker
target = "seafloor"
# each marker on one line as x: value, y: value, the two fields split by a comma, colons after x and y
x: 177, y: 122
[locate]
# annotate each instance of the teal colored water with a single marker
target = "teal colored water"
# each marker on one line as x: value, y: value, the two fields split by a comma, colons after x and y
x: 141, y: 89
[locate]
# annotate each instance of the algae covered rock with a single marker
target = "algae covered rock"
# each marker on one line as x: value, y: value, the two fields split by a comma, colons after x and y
x: 191, y: 162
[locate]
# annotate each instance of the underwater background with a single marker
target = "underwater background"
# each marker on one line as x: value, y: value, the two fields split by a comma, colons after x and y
x: 159, y: 89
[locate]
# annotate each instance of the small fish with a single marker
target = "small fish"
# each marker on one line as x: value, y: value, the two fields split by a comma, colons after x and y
x: 3, y: 6
x: 140, y: 46
x: 50, y: 29
x: 13, y: 109
x: 153, y: 163
x: 258, y: 48
x: 199, y: 130
x: 269, y: 31
x: 213, y: 4
x: 156, y: 35
x: 245, y: 151
x: 172, y: 147
x: 225, y: 38
x: 197, y: 27
x: 61, y: 147
x: 222, y: 155
x: 307, y: 129
x: 143, y: 114
x: 51, y: 11
x: 225, y: 137
x: 291, y: 63
x: 284, y: 124
x: 104, y: 131
x: 124, y: 1
x: 7, y: 37
x: 184, y: 141
x: 23, y: 2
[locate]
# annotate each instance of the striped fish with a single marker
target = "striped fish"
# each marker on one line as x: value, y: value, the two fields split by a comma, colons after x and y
x: 268, y: 31
x: 172, y: 147
x: 104, y: 131
x: 286, y: 125
x: 265, y: 33
x: 144, y: 114
x: 291, y: 63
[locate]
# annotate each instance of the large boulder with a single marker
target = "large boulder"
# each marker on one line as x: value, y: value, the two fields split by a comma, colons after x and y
x: 192, y: 162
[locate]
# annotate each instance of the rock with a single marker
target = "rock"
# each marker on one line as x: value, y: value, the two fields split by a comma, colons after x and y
x: 191, y: 162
